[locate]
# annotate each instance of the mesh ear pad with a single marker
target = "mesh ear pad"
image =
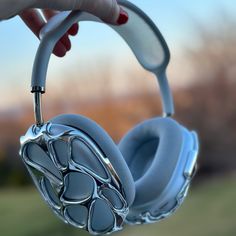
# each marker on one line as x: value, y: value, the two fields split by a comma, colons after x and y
x: 107, y: 146
x: 151, y: 151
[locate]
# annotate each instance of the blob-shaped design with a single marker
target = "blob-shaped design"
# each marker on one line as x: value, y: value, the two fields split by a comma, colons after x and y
x: 74, y: 177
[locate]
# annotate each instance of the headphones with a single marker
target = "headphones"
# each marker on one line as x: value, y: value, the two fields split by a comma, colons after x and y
x: 86, y: 179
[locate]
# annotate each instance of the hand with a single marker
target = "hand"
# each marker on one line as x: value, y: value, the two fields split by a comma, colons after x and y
x: 34, y: 20
x: 108, y: 10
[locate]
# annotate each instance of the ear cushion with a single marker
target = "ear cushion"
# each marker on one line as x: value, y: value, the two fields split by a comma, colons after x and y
x: 107, y: 146
x: 151, y: 151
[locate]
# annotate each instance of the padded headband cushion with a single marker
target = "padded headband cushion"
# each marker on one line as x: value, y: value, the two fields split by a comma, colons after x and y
x: 107, y: 146
x: 151, y: 151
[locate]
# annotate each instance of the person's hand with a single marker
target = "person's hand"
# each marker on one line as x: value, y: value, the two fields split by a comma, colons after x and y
x: 108, y: 10
x: 35, y: 21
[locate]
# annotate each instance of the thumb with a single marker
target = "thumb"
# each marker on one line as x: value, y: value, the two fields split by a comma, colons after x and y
x: 108, y: 10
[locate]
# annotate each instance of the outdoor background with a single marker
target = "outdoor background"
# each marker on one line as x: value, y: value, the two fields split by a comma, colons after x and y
x: 100, y: 78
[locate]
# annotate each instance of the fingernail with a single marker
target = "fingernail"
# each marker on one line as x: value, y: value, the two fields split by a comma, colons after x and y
x: 74, y: 29
x: 123, y: 17
x: 59, y: 50
x: 66, y: 42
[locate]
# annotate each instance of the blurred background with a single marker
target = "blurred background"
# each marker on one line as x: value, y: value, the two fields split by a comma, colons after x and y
x: 100, y: 78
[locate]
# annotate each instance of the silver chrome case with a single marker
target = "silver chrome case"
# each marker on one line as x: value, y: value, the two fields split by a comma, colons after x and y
x: 53, y: 179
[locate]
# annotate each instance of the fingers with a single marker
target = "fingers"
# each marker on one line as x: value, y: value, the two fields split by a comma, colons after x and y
x: 108, y: 10
x: 50, y: 13
x: 64, y: 45
x: 64, y: 41
x: 34, y: 20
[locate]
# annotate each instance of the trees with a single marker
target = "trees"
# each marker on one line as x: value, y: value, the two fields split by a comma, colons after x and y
x: 211, y: 106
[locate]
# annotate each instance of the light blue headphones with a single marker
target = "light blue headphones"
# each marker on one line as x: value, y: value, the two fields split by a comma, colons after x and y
x: 86, y: 179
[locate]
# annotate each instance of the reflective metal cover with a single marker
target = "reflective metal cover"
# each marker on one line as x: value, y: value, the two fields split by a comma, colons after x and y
x: 82, y: 194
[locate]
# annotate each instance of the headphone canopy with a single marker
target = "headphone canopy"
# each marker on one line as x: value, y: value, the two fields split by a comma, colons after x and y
x: 151, y: 51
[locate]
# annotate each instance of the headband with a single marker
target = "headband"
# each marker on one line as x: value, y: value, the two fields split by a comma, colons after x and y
x: 140, y: 33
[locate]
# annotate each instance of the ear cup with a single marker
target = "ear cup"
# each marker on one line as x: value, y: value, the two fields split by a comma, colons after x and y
x: 106, y: 144
x: 152, y: 150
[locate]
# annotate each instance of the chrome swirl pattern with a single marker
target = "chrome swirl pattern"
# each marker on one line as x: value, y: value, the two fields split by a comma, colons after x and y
x: 74, y: 177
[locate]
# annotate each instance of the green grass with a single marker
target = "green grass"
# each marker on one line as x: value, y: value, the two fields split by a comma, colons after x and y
x: 210, y: 210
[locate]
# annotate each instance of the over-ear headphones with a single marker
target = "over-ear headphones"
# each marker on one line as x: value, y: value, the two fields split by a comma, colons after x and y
x: 86, y: 179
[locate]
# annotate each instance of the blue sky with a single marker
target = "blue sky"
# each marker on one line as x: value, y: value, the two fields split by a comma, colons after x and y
x: 173, y: 17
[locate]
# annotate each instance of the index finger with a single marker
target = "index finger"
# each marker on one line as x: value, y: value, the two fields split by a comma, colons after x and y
x: 107, y: 10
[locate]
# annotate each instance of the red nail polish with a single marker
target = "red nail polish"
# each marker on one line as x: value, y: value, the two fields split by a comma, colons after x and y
x: 123, y: 17
x: 74, y: 29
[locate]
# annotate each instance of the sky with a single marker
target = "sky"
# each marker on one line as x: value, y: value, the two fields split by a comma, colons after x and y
x: 174, y: 18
